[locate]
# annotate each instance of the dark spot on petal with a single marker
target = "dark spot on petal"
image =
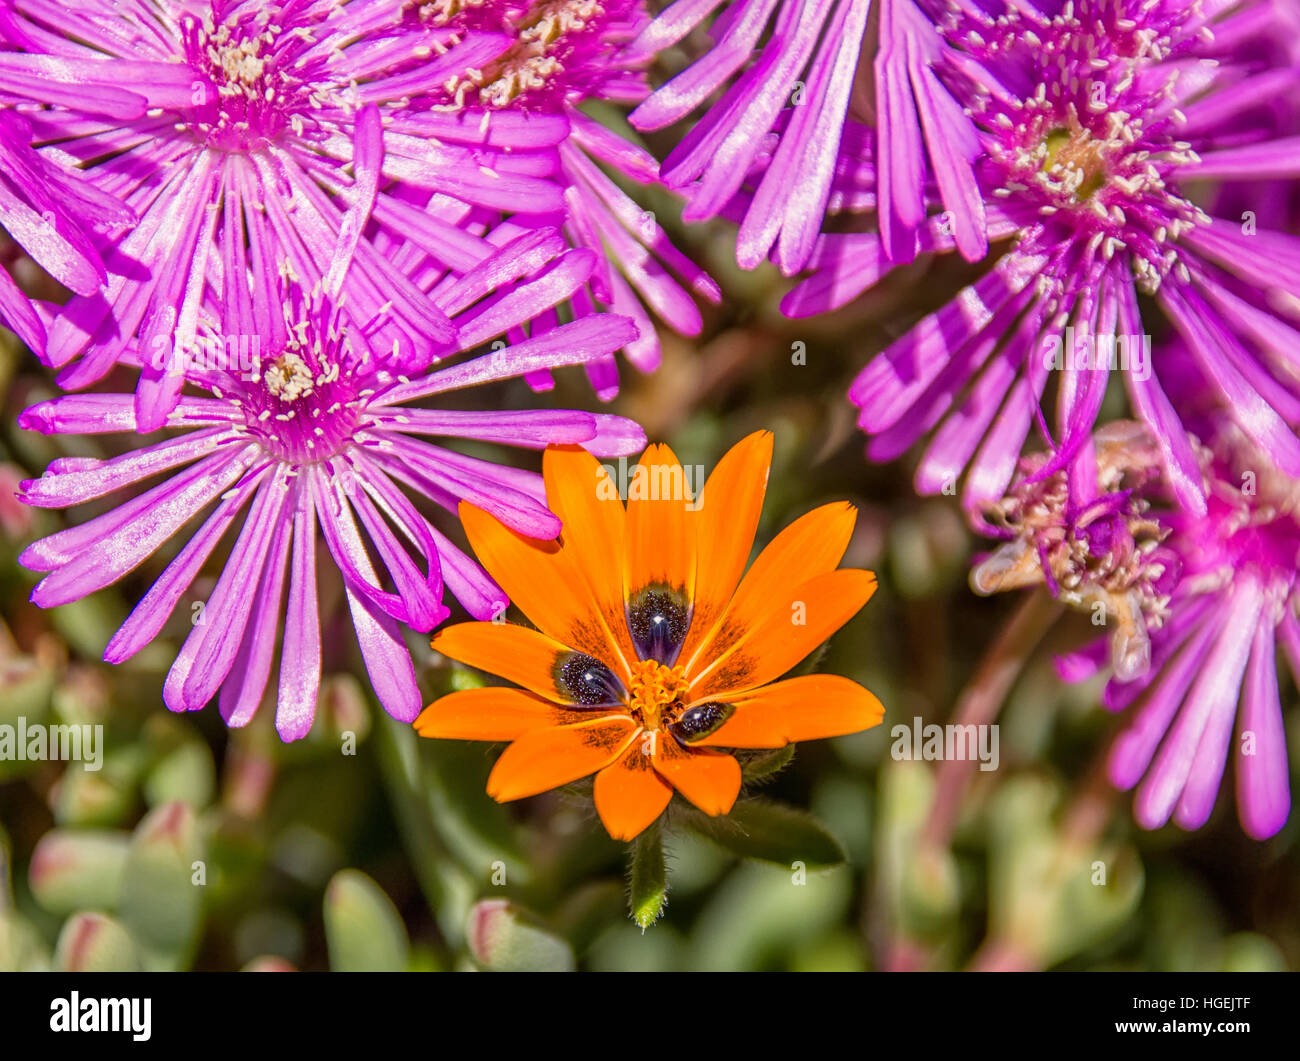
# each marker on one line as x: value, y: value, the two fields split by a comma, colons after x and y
x: 658, y: 618
x: 698, y: 722
x: 734, y: 672
x: 586, y: 681
x: 586, y: 635
x: 726, y: 636
x: 607, y: 736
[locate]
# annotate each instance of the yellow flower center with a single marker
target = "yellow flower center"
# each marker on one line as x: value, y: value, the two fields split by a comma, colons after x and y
x: 1076, y: 162
x: 657, y: 693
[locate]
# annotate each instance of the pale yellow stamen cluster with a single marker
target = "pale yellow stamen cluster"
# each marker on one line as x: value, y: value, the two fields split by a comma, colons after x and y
x: 239, y: 59
x: 1071, y: 161
x: 440, y: 12
x: 528, y: 64
x: 289, y: 378
x: 252, y: 85
x: 550, y: 21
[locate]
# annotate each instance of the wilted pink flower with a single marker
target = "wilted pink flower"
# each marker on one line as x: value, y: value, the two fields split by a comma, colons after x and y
x: 1211, y: 689
x: 1195, y: 607
x: 1090, y: 537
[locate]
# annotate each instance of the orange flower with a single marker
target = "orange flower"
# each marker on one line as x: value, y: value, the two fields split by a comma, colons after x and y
x: 651, y: 652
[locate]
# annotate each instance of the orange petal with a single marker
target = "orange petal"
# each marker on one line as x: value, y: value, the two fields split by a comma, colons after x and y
x: 660, y: 528
x: 811, y: 545
x: 491, y: 714
x: 709, y: 779
x: 811, y: 707
x: 727, y: 519
x: 524, y: 656
x: 540, y: 578
x: 630, y: 795
x: 581, y: 493
x: 548, y: 758
x: 795, y: 621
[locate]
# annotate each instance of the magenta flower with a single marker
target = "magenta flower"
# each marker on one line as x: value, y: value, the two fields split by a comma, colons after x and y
x: 1093, y: 120
x: 1211, y: 690
x: 303, y: 424
x: 556, y: 56
x: 785, y: 145
x: 271, y: 133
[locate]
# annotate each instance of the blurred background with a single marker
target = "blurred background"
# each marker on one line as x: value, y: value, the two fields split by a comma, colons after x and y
x: 362, y: 846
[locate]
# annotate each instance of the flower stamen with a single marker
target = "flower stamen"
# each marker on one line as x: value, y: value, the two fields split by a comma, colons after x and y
x: 657, y: 693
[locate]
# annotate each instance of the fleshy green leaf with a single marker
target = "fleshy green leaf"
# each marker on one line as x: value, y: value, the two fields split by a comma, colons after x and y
x: 363, y: 930
x: 504, y: 937
x: 773, y: 833
x: 92, y: 798
x: 447, y: 886
x: 162, y: 887
x: 478, y: 831
x: 186, y: 773
x: 95, y: 943
x: 75, y: 869
x: 21, y: 947
x: 25, y: 689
